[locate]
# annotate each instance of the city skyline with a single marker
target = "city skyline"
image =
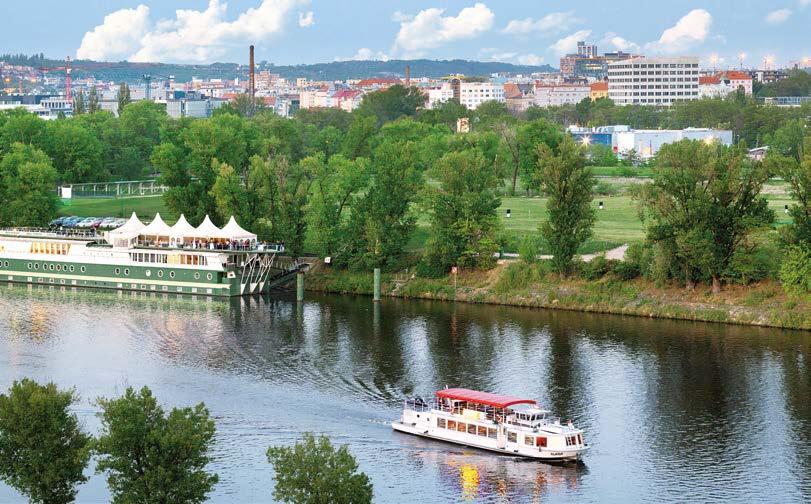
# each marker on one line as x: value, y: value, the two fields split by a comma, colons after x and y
x: 311, y: 31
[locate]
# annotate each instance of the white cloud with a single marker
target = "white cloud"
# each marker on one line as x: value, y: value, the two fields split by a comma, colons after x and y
x: 400, y: 17
x: 530, y: 59
x: 620, y: 43
x: 429, y: 29
x: 306, y: 20
x: 568, y: 44
x: 192, y: 35
x: 504, y: 56
x: 691, y: 30
x: 365, y: 54
x: 779, y: 16
x: 805, y: 3
x: 551, y: 23
x: 117, y: 37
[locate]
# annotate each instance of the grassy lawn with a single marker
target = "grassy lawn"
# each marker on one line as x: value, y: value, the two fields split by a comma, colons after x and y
x: 144, y: 206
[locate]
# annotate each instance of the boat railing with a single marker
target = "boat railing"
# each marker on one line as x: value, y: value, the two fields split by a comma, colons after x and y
x: 49, y: 233
x: 419, y: 405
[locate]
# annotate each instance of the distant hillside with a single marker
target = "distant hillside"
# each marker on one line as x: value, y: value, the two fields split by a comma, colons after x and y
x: 336, y: 70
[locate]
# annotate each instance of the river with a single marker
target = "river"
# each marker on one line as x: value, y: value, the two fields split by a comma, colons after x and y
x: 673, y: 411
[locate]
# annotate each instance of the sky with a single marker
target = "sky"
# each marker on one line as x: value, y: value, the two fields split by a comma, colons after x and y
x: 721, y: 32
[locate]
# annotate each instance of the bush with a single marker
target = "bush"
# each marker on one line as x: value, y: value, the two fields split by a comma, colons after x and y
x: 529, y: 248
x: 605, y: 189
x: 596, y: 268
x: 626, y: 270
x: 426, y: 269
x: 520, y: 275
x: 747, y: 266
x: 795, y: 272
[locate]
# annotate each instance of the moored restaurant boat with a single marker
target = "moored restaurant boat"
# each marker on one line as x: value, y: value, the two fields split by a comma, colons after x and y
x: 179, y: 259
x: 499, y: 423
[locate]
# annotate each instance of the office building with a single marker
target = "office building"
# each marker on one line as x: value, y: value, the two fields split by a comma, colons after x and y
x: 653, y: 81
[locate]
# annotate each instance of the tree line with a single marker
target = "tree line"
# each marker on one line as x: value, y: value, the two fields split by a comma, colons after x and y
x: 147, y: 454
x: 351, y: 185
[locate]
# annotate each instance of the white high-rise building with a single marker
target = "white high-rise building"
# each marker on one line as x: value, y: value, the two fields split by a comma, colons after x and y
x: 473, y: 94
x: 653, y: 81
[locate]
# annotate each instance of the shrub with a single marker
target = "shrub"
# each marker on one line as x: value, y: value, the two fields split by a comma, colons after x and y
x: 520, y: 275
x: 596, y: 268
x: 529, y: 248
x: 426, y: 269
x: 605, y: 189
x: 747, y: 266
x: 795, y: 272
x: 626, y: 270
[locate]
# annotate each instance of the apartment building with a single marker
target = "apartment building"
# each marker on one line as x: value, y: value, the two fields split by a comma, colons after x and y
x: 653, y: 81
x: 469, y: 94
x: 561, y: 94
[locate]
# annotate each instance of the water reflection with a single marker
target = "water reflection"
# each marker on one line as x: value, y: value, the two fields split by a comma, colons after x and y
x: 673, y: 411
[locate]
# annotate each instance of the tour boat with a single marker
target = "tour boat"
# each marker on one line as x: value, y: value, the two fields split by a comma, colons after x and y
x: 502, y: 424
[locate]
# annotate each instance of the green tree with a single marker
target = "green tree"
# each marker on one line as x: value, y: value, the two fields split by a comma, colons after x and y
x: 75, y: 151
x: 313, y: 471
x: 27, y: 187
x: 78, y: 103
x: 93, y: 101
x: 123, y: 97
x: 19, y: 125
x: 568, y: 184
x: 382, y: 219
x: 334, y: 184
x: 392, y: 103
x: 152, y: 457
x: 43, y: 450
x: 703, y: 204
x: 525, y: 149
x: 463, y: 214
x: 798, y: 176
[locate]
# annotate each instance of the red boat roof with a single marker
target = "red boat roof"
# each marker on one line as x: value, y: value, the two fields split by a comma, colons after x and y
x: 495, y: 400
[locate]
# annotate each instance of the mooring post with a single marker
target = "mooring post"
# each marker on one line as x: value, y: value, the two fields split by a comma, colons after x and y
x: 299, y: 286
x: 377, y: 285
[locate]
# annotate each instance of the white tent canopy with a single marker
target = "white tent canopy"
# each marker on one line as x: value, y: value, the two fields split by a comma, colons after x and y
x: 206, y: 230
x: 234, y: 231
x: 156, y: 228
x: 123, y: 235
x: 180, y: 230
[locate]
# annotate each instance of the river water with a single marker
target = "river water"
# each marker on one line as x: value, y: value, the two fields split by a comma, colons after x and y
x: 674, y: 411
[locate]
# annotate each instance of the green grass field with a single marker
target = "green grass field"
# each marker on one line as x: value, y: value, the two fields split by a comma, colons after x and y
x: 617, y: 223
x: 145, y: 206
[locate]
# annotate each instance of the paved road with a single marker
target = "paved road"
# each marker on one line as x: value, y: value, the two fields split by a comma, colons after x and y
x: 615, y: 253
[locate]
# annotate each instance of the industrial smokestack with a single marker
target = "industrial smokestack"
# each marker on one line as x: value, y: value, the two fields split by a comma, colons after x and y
x: 251, y: 82
x: 408, y: 76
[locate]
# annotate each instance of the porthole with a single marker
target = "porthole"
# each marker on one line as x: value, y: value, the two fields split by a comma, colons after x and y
x: 71, y: 268
x: 58, y: 268
x: 118, y: 271
x: 83, y: 269
x: 148, y: 273
x: 36, y: 266
x: 127, y: 271
x: 196, y: 275
x: 209, y: 276
x: 171, y: 274
x: 6, y: 264
x: 29, y: 265
x: 160, y: 273
x: 51, y: 267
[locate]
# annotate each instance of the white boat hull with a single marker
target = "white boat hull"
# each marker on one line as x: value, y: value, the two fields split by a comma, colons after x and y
x: 472, y: 442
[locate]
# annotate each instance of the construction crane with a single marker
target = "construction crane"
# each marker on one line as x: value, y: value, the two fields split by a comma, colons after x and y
x: 147, y: 78
x: 68, y: 79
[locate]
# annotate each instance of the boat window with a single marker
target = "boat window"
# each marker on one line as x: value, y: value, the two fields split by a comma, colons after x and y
x: 512, y: 437
x: 492, y: 432
x: 471, y: 429
x: 540, y: 441
x: 529, y: 440
x: 452, y: 424
x: 482, y: 431
x: 440, y: 422
x: 580, y: 438
x: 461, y: 427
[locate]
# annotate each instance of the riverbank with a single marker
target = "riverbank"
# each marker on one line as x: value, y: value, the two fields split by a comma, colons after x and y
x: 516, y: 284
